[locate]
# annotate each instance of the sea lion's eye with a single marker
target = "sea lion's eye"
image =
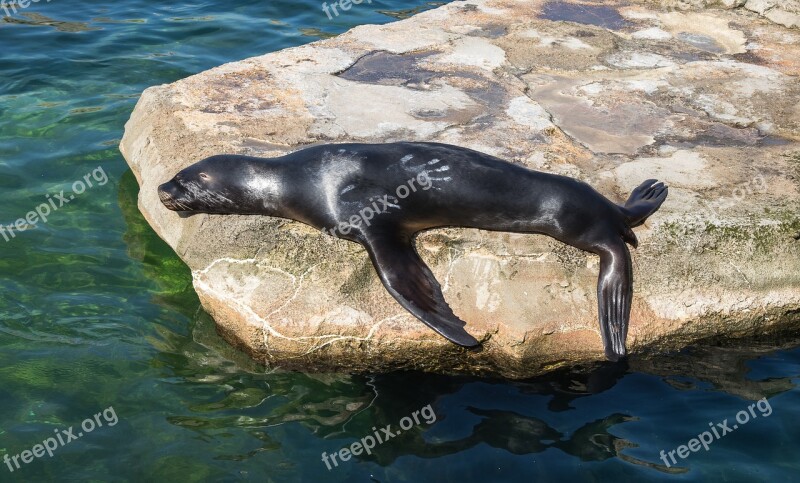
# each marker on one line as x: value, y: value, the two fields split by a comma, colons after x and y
x: 204, y: 176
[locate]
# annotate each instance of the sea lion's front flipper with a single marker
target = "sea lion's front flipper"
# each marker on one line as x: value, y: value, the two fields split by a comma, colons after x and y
x: 412, y: 283
x: 645, y: 200
x: 614, y: 293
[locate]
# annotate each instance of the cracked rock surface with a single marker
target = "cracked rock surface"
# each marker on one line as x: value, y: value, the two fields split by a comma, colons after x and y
x: 706, y: 99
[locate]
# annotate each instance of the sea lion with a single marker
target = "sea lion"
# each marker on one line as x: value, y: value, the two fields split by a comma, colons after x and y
x: 382, y: 195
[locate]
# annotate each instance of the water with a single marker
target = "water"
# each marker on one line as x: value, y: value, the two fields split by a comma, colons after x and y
x: 96, y: 312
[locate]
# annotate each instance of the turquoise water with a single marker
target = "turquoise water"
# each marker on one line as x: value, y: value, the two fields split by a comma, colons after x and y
x: 98, y: 316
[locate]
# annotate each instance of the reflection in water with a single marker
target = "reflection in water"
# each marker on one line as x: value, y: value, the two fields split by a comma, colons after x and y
x: 725, y: 368
x: 340, y: 409
x: 507, y: 430
x: 523, y: 435
x: 568, y: 384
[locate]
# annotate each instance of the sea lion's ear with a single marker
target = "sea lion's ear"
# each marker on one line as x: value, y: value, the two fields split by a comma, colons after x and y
x: 412, y: 283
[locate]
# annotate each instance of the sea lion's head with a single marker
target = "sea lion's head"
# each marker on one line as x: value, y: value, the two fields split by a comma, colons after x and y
x: 223, y: 185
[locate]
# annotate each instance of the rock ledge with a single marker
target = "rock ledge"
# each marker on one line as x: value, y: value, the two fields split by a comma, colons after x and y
x: 608, y: 93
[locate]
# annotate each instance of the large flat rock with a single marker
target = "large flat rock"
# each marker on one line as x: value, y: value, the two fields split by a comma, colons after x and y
x: 707, y: 100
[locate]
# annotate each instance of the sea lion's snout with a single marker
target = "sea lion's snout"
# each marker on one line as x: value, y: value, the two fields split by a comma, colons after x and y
x: 169, y: 193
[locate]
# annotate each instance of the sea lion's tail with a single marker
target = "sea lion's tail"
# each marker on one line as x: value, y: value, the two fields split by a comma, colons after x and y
x: 645, y: 200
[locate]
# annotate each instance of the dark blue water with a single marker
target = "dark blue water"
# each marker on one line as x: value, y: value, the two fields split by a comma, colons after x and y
x: 98, y: 318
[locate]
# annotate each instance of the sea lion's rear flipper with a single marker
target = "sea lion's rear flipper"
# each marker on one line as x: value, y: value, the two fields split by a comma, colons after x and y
x: 614, y: 293
x: 644, y: 201
x: 412, y: 283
